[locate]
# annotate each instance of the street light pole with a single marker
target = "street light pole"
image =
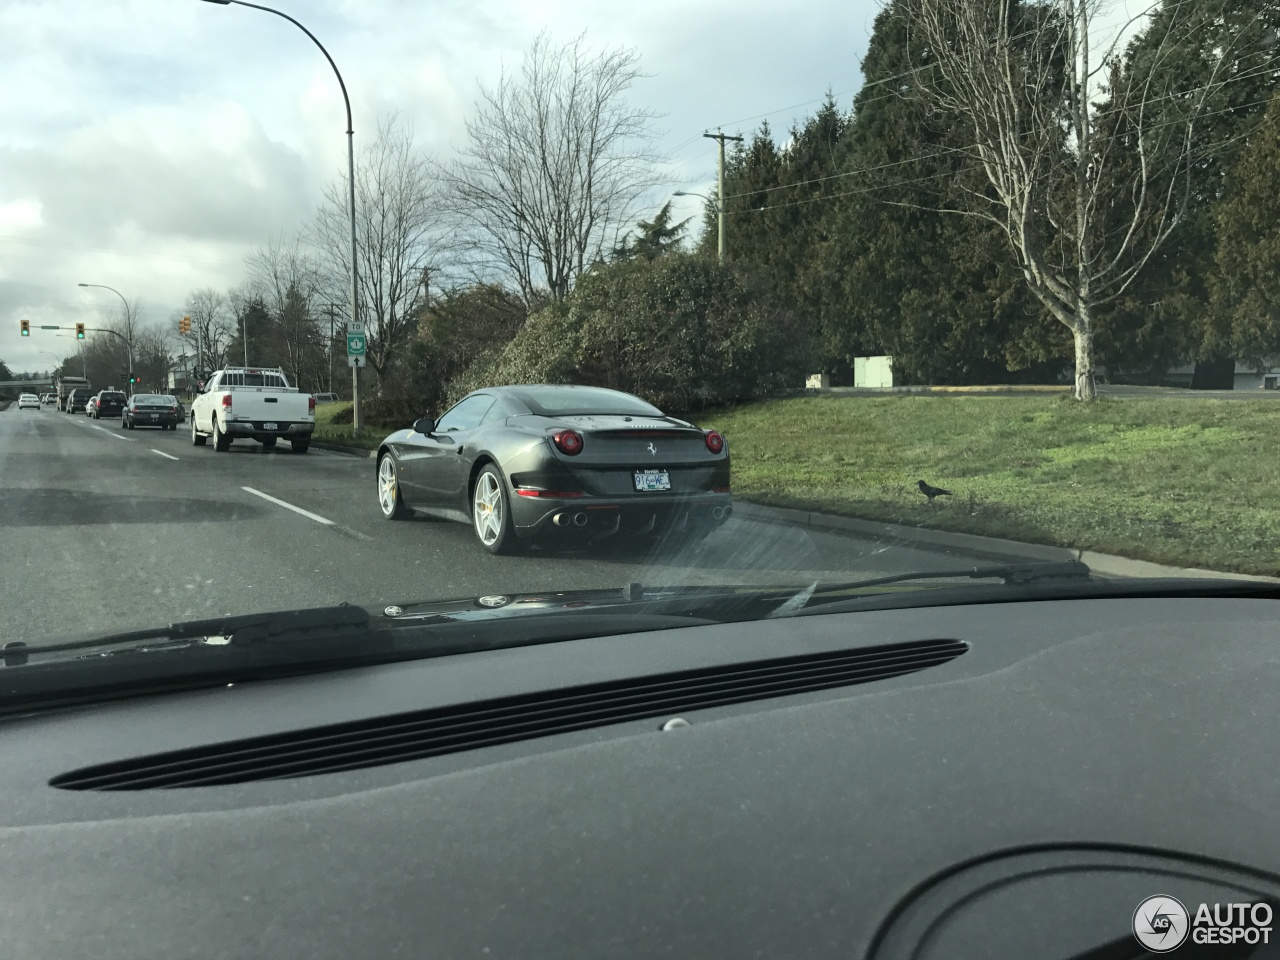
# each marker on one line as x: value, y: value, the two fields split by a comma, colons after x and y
x: 128, y: 320
x: 719, y: 215
x: 351, y: 186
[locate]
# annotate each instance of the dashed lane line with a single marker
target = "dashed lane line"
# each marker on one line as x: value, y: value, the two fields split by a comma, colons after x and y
x: 289, y: 506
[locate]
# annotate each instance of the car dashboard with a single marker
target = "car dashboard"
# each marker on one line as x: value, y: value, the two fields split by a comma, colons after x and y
x: 1004, y: 780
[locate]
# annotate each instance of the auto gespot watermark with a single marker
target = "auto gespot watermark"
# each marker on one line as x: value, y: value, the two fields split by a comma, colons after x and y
x: 1162, y: 924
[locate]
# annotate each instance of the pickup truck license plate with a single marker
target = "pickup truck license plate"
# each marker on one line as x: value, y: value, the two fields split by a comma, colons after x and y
x: 268, y: 426
x: 648, y: 480
x: 155, y: 416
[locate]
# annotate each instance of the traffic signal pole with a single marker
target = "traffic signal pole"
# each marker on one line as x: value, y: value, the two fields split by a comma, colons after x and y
x: 81, y: 329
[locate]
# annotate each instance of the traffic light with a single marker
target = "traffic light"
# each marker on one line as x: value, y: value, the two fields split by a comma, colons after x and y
x: 184, y: 325
x: 79, y: 331
x: 25, y: 327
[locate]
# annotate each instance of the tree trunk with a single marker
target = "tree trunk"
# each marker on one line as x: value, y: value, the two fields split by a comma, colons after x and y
x: 1082, y: 332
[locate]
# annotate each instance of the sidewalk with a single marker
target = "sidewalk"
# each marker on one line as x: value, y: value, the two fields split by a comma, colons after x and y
x: 1104, y: 564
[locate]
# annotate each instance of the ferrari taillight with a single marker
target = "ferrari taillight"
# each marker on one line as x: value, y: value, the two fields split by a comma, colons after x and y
x: 715, y: 442
x: 568, y: 442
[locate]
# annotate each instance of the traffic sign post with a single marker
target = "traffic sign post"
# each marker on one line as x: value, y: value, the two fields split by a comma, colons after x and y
x: 355, y: 360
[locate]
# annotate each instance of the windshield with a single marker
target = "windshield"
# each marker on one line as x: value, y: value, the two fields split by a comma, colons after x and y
x: 636, y: 295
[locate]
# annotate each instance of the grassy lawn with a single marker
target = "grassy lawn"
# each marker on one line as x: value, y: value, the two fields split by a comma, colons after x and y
x: 1180, y: 481
x: 329, y: 432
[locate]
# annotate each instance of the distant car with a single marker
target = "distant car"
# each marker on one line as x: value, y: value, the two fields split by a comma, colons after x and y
x: 29, y: 400
x: 108, y: 403
x: 48, y: 398
x: 524, y: 462
x: 325, y: 398
x: 78, y: 401
x: 151, y: 410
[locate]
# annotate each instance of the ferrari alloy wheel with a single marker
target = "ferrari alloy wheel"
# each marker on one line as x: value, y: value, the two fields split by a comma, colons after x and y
x: 490, y: 515
x: 389, y: 498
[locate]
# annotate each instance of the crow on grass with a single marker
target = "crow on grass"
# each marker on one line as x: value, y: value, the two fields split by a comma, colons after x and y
x: 932, y: 492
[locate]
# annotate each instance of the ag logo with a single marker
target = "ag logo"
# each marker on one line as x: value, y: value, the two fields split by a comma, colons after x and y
x: 1161, y: 924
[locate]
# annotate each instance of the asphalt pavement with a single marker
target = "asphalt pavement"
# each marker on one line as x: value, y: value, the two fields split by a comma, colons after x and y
x: 105, y: 530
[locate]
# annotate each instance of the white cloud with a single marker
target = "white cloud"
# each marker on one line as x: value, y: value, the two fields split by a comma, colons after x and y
x: 147, y: 144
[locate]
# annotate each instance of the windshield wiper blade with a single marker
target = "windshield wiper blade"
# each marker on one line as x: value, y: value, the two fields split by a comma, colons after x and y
x: 242, y: 631
x: 1015, y: 574
x: 1028, y: 572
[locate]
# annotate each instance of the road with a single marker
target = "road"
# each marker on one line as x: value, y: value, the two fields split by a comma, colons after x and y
x: 103, y: 530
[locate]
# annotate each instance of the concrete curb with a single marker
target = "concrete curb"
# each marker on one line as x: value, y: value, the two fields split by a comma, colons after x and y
x: 360, y: 452
x: 1101, y: 563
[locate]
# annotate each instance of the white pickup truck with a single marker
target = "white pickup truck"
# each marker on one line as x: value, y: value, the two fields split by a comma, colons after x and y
x: 253, y: 403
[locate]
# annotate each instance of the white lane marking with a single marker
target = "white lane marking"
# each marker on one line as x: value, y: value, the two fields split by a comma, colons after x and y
x: 289, y: 506
x: 112, y: 433
x: 162, y: 453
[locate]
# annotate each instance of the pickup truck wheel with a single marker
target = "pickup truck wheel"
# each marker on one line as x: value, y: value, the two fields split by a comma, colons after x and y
x: 221, y: 442
x: 197, y: 438
x: 299, y: 446
x: 389, y: 498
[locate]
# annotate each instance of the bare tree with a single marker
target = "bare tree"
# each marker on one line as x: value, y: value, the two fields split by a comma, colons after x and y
x: 288, y: 278
x: 210, y: 327
x: 555, y: 164
x: 400, y: 237
x: 1086, y: 192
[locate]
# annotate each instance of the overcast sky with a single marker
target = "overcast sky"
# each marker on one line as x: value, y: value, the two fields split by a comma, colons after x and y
x: 148, y: 144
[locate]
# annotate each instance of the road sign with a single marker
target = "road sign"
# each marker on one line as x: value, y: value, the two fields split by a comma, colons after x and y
x: 356, y: 360
x: 355, y: 344
x: 355, y: 326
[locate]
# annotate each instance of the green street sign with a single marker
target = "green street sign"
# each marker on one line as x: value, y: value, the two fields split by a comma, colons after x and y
x: 355, y: 344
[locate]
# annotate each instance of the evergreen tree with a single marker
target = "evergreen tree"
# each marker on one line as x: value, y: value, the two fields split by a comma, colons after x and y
x: 1247, y: 282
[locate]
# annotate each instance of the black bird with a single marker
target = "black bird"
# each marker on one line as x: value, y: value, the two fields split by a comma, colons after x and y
x: 932, y: 492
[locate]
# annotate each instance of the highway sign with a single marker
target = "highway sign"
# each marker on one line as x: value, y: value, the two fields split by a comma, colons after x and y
x: 355, y: 344
x: 355, y: 360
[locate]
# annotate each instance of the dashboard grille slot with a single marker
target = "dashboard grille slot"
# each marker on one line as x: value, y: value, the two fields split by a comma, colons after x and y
x: 442, y: 730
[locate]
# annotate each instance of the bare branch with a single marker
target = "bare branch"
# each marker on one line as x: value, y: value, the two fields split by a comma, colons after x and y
x: 556, y: 162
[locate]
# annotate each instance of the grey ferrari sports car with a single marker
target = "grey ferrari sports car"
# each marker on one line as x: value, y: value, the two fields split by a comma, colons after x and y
x: 526, y: 462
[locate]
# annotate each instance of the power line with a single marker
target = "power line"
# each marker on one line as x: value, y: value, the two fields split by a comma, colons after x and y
x: 1260, y: 71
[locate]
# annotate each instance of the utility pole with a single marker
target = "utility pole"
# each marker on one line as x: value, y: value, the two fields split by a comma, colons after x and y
x: 720, y: 139
x: 330, y: 351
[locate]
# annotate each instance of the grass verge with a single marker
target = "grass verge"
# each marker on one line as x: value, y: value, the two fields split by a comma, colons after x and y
x: 1186, y: 482
x: 341, y: 433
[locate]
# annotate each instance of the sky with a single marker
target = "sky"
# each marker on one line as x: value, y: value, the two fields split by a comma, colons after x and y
x: 148, y: 145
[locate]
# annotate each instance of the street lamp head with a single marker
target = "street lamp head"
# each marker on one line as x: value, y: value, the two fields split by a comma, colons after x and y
x: 81, y: 284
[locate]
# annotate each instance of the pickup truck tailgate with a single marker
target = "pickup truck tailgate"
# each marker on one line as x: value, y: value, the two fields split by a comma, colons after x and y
x: 268, y: 406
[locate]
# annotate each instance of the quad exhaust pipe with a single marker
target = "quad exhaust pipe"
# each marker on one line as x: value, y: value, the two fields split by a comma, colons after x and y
x: 563, y: 519
x: 560, y: 519
x: 722, y: 513
x: 580, y: 519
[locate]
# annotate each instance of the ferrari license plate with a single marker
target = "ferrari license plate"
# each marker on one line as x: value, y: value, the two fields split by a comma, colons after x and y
x: 648, y: 480
x: 268, y: 426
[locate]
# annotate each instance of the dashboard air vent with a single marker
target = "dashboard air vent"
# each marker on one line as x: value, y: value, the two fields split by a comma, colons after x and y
x: 451, y: 729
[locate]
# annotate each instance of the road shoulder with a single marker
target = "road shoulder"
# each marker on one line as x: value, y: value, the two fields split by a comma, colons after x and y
x: 1104, y: 564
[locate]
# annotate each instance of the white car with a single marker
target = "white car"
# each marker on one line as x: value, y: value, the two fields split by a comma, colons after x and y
x: 29, y: 400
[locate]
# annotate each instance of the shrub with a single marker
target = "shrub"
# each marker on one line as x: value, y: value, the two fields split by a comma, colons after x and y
x: 679, y: 330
